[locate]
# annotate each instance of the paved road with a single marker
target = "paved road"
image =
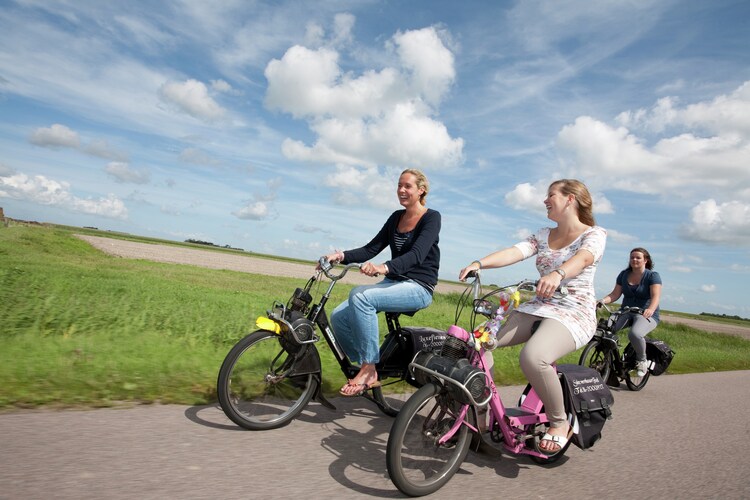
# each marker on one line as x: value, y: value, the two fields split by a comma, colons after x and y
x: 651, y: 449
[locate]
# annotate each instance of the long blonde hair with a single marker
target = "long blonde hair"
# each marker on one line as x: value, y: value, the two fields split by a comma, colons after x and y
x: 422, y: 183
x: 583, y: 197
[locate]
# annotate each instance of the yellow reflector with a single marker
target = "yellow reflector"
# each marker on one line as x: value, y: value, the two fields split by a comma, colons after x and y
x: 267, y: 324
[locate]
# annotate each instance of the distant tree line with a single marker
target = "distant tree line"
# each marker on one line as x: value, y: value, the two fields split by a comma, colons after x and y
x: 208, y: 243
x: 726, y: 316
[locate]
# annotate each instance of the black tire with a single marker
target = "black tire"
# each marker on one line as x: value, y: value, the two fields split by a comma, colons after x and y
x: 633, y: 381
x: 417, y: 465
x: 594, y: 356
x: 254, y: 391
x: 393, y: 395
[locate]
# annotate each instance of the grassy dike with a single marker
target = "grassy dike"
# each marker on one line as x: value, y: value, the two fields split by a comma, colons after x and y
x: 78, y: 327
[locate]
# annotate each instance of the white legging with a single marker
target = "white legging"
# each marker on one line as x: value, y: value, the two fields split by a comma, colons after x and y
x: 548, y: 343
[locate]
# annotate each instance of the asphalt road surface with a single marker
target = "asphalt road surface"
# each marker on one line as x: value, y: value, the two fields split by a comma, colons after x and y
x: 683, y: 437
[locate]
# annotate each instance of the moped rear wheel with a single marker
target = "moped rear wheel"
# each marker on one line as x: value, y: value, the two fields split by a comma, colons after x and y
x: 417, y: 464
x: 596, y: 357
x: 257, y: 386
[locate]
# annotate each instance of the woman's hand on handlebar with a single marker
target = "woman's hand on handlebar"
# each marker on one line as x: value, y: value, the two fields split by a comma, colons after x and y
x: 371, y: 269
x: 333, y: 258
x: 463, y: 273
x: 547, y: 285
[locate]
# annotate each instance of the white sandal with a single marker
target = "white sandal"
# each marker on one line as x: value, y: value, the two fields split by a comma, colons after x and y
x: 561, y: 441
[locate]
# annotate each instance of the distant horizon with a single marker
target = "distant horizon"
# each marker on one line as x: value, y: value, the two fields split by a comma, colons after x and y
x: 312, y: 261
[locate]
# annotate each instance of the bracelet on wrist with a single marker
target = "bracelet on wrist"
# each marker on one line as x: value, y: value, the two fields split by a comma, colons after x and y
x: 479, y: 263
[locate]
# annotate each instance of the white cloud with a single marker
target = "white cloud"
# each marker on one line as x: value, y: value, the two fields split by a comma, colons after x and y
x: 260, y: 206
x: 526, y: 197
x: 619, y: 236
x: 726, y: 223
x: 40, y: 189
x: 122, y: 172
x: 257, y: 210
x: 708, y: 288
x: 369, y: 185
x: 192, y: 97
x: 431, y: 64
x: 56, y: 136
x: 377, y: 118
x: 701, y: 148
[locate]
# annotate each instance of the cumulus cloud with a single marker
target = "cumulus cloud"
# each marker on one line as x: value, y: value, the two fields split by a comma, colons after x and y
x: 191, y: 97
x: 698, y: 152
x: 669, y: 150
x: 257, y: 210
x: 377, y: 118
x: 122, y: 172
x: 59, y: 136
x: 708, y: 288
x: 40, y: 189
x: 260, y: 205
x: 364, y: 185
x: 726, y: 223
x: 56, y: 136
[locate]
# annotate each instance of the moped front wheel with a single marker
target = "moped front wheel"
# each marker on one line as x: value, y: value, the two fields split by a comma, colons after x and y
x: 418, y: 463
x: 259, y: 386
x: 596, y: 357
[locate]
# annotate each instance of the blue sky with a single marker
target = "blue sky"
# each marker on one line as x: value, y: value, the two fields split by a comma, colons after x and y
x: 280, y: 127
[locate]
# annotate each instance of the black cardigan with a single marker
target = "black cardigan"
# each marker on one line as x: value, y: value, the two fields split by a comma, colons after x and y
x: 419, y: 257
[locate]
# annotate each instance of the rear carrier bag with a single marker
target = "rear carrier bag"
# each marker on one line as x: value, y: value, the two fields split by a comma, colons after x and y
x: 398, y: 351
x: 660, y: 354
x: 590, y: 401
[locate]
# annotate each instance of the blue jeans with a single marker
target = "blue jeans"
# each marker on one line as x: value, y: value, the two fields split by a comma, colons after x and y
x: 355, y: 321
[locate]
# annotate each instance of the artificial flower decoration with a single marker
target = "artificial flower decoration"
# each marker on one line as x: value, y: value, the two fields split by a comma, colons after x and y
x: 486, y: 333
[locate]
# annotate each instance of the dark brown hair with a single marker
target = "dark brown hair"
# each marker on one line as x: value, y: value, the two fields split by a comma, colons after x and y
x: 649, y: 262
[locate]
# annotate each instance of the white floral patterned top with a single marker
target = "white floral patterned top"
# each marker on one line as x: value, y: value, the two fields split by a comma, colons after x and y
x: 577, y: 310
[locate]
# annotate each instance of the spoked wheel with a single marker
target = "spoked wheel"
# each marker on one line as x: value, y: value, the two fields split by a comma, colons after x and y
x: 257, y: 388
x: 392, y: 395
x: 417, y: 462
x: 634, y: 382
x: 594, y: 356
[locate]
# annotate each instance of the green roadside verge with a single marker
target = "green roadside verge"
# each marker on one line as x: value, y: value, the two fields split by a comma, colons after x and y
x: 81, y: 328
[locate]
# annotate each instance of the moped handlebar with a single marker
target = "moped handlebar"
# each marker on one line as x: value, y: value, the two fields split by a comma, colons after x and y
x: 622, y: 310
x: 485, y: 308
x: 326, y: 267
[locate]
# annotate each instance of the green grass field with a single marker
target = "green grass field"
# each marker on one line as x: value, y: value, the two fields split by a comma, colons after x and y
x: 78, y: 327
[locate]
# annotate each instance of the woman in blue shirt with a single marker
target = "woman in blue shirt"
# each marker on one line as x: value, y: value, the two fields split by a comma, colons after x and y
x: 641, y: 287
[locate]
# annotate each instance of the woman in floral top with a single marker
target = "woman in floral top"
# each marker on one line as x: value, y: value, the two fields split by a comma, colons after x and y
x: 566, y: 254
